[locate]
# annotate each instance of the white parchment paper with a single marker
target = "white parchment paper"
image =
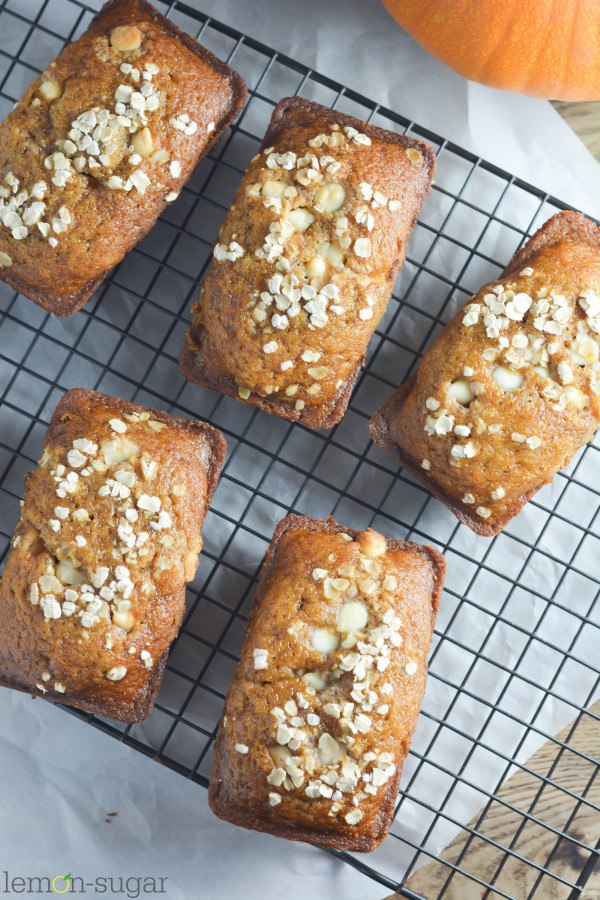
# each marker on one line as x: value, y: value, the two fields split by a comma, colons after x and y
x: 60, y: 778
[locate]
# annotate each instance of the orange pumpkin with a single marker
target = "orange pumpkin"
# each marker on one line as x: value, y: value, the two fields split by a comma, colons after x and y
x: 546, y: 48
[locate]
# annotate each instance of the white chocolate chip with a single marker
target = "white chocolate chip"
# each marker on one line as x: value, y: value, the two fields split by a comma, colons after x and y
x: 352, y: 616
x: 575, y: 397
x: 329, y: 197
x: 51, y: 89
x: 460, y: 389
x: 300, y: 218
x: 123, y: 619
x: 323, y: 640
x: 125, y: 38
x: 143, y: 142
x: 275, y: 189
x: 507, y: 379
x: 335, y: 256
x: 371, y: 543
x: 314, y: 680
x: 316, y: 267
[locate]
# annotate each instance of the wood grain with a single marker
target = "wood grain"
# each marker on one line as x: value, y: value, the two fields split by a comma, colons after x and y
x: 541, y: 800
x: 584, y: 119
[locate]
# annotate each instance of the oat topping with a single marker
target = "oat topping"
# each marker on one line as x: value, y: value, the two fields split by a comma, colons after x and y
x: 322, y: 743
x: 308, y: 195
x: 233, y: 252
x: 101, y: 591
x: 260, y: 658
x: 532, y: 332
x: 107, y: 144
x: 183, y: 123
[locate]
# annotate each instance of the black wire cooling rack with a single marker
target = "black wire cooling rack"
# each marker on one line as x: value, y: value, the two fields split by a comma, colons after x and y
x: 516, y: 649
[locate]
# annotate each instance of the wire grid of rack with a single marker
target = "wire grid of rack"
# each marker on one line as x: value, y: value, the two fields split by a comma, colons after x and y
x: 511, y: 591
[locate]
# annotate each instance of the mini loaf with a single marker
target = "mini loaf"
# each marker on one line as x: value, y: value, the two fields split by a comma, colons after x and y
x: 306, y: 261
x: 326, y: 697
x: 511, y: 389
x: 94, y: 586
x: 97, y: 146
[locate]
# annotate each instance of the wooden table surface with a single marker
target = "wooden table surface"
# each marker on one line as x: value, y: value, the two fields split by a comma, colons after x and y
x: 497, y: 826
x: 526, y: 792
x: 584, y: 119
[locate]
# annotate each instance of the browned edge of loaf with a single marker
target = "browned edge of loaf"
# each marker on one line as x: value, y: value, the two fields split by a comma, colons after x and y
x: 71, y: 304
x: 74, y: 400
x: 239, y: 816
x: 143, y: 707
x: 312, y: 417
x: 558, y: 226
x: 289, y: 112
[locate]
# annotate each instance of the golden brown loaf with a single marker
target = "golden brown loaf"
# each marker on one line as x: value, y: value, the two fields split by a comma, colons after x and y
x: 511, y: 389
x: 306, y: 261
x: 326, y: 697
x: 94, y: 586
x: 97, y: 146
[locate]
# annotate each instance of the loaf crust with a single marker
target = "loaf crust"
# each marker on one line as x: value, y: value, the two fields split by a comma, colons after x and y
x: 290, y: 601
x: 545, y: 419
x: 277, y: 290
x: 95, y: 225
x: 95, y: 578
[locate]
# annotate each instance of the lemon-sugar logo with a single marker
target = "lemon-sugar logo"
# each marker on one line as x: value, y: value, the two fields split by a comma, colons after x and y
x: 133, y: 887
x: 61, y: 884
